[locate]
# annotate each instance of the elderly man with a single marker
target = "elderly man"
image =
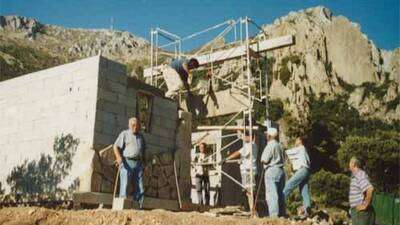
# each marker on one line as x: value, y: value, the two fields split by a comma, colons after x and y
x: 273, y: 161
x: 360, y: 195
x: 178, y: 75
x: 246, y: 163
x: 129, y: 150
x: 202, y: 178
x: 301, y: 165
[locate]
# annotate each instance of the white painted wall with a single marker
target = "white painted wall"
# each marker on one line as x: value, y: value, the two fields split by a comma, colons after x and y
x: 37, y: 107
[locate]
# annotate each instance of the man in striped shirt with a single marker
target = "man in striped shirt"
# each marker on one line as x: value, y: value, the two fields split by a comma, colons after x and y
x: 360, y: 195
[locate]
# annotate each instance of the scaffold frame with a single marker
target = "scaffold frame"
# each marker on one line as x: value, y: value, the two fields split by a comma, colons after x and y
x: 242, y: 43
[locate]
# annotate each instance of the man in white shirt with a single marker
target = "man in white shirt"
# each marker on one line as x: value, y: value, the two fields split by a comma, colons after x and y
x: 202, y: 177
x: 246, y: 163
x: 301, y: 165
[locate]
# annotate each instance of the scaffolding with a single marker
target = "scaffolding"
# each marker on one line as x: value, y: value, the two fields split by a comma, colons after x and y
x: 243, y: 47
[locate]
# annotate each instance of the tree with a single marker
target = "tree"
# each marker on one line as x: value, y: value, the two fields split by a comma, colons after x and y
x: 380, y: 156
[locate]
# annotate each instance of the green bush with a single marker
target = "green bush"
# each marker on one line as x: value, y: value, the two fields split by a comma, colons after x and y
x: 275, y: 109
x: 284, y: 72
x: 334, y: 132
x: 329, y: 188
x: 380, y: 155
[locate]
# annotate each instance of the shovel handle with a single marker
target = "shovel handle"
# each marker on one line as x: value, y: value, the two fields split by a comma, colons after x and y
x: 116, y: 182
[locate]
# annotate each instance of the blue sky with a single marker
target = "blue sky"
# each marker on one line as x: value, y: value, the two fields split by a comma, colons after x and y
x: 379, y: 19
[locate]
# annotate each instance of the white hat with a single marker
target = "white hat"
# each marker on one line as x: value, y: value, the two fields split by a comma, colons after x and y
x: 272, y: 131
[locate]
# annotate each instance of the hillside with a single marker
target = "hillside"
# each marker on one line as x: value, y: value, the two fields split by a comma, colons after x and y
x: 26, y: 45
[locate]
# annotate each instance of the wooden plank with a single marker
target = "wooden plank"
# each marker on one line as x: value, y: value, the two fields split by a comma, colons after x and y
x: 234, y: 52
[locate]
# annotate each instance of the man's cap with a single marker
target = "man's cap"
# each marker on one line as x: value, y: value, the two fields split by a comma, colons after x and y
x: 272, y: 131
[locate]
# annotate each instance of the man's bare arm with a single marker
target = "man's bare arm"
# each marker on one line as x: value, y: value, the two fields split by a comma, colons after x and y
x: 233, y: 155
x: 117, y: 154
x: 368, y: 196
x: 367, y: 199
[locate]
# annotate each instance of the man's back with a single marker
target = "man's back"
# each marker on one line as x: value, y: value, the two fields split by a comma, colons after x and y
x: 272, y: 155
x: 177, y: 65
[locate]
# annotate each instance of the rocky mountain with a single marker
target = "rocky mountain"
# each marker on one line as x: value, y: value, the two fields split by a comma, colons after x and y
x: 26, y: 42
x: 331, y: 57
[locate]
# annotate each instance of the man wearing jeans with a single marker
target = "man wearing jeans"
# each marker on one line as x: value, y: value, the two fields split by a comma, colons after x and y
x: 301, y: 165
x: 129, y: 150
x: 360, y: 195
x: 273, y: 161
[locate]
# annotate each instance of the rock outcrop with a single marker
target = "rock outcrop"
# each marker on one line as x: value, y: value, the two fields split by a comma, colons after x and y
x: 331, y: 54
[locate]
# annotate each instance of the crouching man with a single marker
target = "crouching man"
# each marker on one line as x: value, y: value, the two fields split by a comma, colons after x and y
x: 178, y: 75
x: 129, y: 150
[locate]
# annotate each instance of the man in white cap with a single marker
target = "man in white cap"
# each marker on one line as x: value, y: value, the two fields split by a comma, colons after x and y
x: 273, y: 160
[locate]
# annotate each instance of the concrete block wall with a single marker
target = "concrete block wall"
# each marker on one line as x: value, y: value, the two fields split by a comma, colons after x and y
x: 92, y: 99
x: 37, y: 107
x: 117, y: 102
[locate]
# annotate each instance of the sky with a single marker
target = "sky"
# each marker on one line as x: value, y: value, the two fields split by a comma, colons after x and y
x: 379, y: 19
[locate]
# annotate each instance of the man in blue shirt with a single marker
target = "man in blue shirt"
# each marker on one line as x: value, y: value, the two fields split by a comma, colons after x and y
x: 273, y: 160
x: 129, y: 150
x: 178, y: 75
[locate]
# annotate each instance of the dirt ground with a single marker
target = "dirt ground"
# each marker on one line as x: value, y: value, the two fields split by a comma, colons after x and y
x: 43, y: 216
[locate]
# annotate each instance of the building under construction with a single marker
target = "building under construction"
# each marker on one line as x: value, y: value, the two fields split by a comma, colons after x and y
x: 93, y: 98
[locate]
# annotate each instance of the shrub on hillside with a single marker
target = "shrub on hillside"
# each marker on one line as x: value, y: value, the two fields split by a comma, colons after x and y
x: 380, y: 156
x: 328, y: 188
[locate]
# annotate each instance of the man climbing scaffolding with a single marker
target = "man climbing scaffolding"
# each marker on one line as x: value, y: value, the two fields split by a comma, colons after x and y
x: 178, y: 75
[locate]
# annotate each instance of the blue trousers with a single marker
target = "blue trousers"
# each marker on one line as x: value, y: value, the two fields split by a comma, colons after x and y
x: 300, y: 179
x: 274, y: 184
x: 131, y: 170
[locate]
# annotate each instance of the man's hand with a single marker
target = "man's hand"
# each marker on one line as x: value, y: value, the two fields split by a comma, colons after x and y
x: 362, y: 207
x: 118, y: 160
x: 222, y: 162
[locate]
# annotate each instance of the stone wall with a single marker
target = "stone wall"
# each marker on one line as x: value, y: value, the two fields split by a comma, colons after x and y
x: 117, y: 101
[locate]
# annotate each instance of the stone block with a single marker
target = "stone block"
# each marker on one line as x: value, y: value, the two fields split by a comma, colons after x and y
x: 107, y: 95
x: 164, y: 192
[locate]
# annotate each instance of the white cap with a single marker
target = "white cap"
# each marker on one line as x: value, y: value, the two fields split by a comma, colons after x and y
x: 272, y: 131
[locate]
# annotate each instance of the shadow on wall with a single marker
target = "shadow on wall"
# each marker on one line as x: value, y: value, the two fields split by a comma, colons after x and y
x: 39, y: 179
